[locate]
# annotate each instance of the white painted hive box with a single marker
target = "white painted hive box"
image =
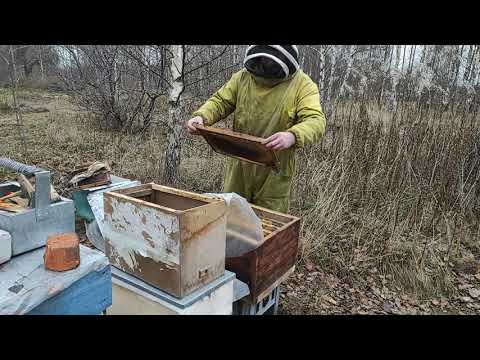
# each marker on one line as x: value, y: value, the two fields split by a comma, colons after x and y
x: 173, y: 240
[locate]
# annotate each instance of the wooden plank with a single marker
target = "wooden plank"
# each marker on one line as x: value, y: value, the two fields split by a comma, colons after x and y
x: 177, y: 202
x: 282, y: 257
x: 134, y: 189
x: 202, y: 244
x: 90, y: 295
x: 11, y: 207
x: 19, y: 201
x: 139, y: 194
x: 277, y: 263
x: 273, y: 257
x: 227, y: 132
x: 273, y: 215
x: 264, y: 283
x: 10, y: 195
x: 138, y: 202
x: 184, y: 193
x: 276, y: 246
x: 95, y: 184
x: 265, y: 279
x: 273, y: 222
x: 278, y: 241
x: 269, y: 229
x: 243, y: 266
x: 276, y: 283
x: 249, y: 267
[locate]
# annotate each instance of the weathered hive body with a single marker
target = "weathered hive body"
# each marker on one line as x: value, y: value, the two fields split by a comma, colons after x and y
x: 262, y: 267
x: 171, y: 239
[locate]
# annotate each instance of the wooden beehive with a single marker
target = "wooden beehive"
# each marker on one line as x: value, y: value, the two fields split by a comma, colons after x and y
x: 263, y: 267
x: 171, y: 239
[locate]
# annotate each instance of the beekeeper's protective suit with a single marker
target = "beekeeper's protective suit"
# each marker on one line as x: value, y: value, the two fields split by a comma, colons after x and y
x: 270, y: 96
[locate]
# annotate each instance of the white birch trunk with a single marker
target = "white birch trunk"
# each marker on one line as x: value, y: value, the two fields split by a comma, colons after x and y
x: 18, y: 114
x: 348, y: 70
x: 321, y: 78
x: 172, y: 156
x: 40, y: 59
x: 328, y: 88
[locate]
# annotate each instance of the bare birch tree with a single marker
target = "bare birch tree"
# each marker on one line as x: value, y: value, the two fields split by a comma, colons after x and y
x: 11, y: 63
x: 175, y: 123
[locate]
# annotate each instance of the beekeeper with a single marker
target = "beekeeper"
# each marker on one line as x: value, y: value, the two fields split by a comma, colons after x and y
x: 274, y: 99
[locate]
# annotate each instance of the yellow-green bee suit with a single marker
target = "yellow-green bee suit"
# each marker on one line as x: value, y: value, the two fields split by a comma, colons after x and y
x: 261, y: 108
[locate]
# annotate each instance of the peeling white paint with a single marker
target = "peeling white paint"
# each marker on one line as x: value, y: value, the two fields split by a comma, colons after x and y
x: 146, y: 232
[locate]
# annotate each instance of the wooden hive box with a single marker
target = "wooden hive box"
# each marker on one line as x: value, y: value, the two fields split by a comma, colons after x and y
x: 173, y: 240
x: 263, y: 267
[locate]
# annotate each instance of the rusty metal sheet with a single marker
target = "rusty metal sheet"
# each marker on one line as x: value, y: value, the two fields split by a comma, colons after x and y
x: 240, y: 146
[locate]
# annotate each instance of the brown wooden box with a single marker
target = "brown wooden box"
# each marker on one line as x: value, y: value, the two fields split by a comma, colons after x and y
x: 172, y: 239
x: 262, y: 267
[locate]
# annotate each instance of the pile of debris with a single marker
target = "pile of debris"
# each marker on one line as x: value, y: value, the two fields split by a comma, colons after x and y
x: 24, y: 198
x: 13, y: 202
x: 87, y: 176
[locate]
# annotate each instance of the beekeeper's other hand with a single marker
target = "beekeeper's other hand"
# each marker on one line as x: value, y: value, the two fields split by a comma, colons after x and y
x: 191, y: 125
x: 280, y: 141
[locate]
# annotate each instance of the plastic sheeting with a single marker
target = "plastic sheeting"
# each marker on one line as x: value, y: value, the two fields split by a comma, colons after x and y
x: 244, y: 228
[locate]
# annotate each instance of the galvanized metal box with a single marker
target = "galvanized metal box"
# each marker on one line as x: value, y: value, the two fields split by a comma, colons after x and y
x: 31, y: 227
x: 172, y: 239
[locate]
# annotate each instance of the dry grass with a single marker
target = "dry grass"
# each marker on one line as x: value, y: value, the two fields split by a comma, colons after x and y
x: 394, y: 191
x: 4, y: 104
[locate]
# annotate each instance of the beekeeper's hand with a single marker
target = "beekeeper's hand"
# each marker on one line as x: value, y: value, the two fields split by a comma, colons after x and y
x: 280, y: 141
x: 191, y: 125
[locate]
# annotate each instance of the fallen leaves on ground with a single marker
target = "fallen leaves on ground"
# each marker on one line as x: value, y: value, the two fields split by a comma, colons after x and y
x: 310, y: 291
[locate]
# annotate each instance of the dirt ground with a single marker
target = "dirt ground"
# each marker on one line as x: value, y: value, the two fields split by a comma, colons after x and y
x: 311, y: 289
x: 314, y: 292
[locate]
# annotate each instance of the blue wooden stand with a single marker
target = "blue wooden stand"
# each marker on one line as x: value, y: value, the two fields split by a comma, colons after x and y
x: 90, y: 295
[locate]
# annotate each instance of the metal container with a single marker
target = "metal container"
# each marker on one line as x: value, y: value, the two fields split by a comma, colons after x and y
x: 173, y: 240
x: 30, y: 229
